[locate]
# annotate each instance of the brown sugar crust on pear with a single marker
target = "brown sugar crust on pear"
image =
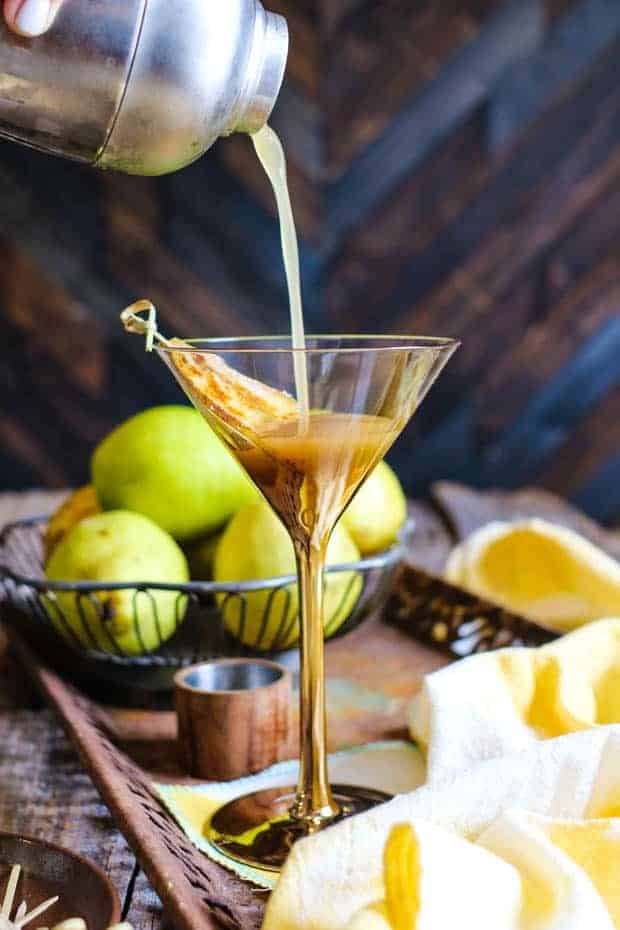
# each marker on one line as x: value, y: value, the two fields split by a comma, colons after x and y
x: 241, y: 402
x: 232, y: 397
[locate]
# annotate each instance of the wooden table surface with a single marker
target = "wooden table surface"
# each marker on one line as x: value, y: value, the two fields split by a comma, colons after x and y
x: 44, y: 790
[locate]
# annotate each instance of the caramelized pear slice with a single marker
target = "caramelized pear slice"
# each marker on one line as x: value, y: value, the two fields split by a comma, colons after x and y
x: 242, y: 402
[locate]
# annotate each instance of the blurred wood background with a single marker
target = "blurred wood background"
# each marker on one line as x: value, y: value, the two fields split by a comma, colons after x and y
x: 455, y: 170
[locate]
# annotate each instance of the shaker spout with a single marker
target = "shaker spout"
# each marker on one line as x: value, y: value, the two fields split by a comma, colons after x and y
x: 265, y: 70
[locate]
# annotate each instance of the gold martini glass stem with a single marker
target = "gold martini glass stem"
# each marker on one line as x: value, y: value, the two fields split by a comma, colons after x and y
x: 314, y: 801
x: 365, y: 389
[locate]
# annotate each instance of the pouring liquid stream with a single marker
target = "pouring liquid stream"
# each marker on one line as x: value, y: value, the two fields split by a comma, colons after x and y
x: 271, y: 156
x: 308, y: 463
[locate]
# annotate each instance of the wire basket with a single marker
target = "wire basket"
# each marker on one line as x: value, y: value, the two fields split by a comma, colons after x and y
x: 209, y: 619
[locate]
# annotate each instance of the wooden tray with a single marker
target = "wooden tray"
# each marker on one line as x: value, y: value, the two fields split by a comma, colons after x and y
x: 372, y: 674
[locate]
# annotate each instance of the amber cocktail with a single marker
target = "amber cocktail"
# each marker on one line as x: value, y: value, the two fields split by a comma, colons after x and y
x: 308, y: 463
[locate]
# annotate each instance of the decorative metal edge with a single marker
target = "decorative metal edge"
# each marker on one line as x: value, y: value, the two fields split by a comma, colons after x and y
x: 216, y: 627
x: 455, y: 621
x: 384, y: 559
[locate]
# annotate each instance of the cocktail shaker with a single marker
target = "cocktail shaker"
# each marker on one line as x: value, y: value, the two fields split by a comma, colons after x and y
x: 142, y: 86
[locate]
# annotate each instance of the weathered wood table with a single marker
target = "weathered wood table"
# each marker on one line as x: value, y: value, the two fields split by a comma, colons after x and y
x: 44, y: 790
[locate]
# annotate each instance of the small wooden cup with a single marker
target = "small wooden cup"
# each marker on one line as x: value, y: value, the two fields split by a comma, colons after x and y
x: 234, y: 717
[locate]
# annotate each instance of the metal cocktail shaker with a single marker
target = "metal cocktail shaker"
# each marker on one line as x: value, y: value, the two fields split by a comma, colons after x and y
x: 143, y: 86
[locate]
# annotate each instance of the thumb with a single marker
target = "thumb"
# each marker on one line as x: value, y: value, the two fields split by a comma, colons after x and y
x: 29, y: 18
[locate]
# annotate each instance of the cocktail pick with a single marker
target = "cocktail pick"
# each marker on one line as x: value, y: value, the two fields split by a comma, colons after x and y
x: 134, y: 323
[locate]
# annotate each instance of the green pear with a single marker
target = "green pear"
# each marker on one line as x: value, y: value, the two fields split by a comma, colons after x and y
x: 117, y: 546
x: 377, y: 512
x: 255, y: 545
x: 169, y: 465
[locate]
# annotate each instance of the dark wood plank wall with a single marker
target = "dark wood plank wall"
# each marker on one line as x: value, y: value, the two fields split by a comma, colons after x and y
x: 455, y: 168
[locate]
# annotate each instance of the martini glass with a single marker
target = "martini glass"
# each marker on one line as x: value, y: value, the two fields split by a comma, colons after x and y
x: 308, y: 464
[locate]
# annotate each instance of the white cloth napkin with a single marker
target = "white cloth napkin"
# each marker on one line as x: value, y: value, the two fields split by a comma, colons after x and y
x: 487, y: 853
x: 516, y: 827
x: 501, y: 703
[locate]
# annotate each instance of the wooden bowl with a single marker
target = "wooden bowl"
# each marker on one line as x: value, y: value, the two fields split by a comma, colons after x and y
x: 49, y: 870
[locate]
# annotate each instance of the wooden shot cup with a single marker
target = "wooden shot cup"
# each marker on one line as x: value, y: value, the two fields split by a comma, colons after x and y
x: 234, y: 717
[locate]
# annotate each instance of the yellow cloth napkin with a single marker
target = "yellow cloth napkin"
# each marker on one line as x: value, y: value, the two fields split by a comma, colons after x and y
x: 538, y: 569
x: 393, y: 766
x: 516, y: 826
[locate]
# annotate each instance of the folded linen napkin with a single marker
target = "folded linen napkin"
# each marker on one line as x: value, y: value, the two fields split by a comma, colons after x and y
x: 515, y: 828
x: 523, y: 843
x: 572, y: 886
x: 500, y: 703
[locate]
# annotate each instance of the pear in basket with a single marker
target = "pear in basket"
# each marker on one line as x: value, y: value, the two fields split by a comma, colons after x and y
x: 120, y: 547
x: 254, y: 546
x: 78, y: 505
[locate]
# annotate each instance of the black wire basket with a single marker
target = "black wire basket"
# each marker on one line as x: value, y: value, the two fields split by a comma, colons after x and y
x: 69, y: 621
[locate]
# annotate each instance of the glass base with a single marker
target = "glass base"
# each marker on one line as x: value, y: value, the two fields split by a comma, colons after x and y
x: 259, y: 830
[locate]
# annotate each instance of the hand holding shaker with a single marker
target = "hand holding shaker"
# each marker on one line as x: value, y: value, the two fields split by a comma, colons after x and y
x: 142, y: 86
